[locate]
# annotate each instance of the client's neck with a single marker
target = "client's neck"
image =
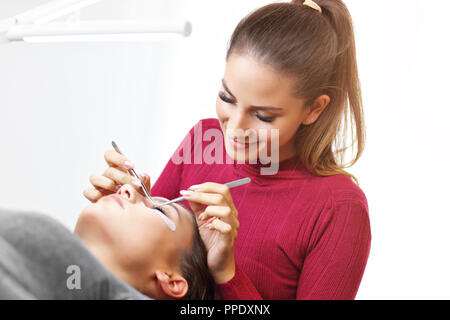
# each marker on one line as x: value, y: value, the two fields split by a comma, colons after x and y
x: 109, y: 261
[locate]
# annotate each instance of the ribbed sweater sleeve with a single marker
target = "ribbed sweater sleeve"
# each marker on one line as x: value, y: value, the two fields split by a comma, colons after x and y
x: 300, y: 237
x: 335, y: 260
x: 240, y: 287
x: 337, y: 253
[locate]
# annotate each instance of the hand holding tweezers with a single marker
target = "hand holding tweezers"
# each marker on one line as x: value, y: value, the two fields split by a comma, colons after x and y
x: 230, y: 185
x: 132, y: 172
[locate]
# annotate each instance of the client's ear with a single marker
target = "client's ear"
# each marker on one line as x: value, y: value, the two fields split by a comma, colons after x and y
x: 175, y: 286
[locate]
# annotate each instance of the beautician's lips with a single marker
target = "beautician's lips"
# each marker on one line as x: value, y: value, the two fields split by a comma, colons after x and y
x: 235, y: 142
x: 116, y: 198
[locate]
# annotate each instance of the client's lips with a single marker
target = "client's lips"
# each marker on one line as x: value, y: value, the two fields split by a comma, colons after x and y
x: 116, y: 198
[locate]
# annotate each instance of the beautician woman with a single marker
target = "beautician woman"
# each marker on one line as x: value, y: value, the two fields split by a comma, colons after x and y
x: 303, y: 232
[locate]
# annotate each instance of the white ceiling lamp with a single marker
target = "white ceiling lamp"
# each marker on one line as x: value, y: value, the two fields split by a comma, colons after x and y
x: 35, y: 26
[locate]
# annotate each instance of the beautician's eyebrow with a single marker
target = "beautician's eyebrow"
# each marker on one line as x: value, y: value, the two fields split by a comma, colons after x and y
x: 254, y: 107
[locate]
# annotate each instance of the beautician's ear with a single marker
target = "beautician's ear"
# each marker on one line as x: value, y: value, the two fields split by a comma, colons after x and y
x: 175, y: 286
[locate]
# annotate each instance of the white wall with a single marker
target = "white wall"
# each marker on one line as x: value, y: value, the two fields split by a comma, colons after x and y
x: 61, y: 104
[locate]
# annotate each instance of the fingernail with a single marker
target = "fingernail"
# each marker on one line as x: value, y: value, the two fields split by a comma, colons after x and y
x: 128, y: 164
x: 186, y: 193
x: 201, y: 216
x: 194, y: 187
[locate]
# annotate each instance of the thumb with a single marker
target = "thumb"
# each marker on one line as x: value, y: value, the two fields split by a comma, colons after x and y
x: 146, y: 180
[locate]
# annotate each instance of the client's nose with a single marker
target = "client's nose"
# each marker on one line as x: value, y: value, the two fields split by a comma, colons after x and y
x: 128, y: 192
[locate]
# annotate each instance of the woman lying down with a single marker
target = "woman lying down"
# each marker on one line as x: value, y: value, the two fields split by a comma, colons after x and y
x: 121, y: 249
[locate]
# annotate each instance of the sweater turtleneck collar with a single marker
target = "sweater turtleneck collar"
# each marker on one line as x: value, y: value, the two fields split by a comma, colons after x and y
x: 288, y: 168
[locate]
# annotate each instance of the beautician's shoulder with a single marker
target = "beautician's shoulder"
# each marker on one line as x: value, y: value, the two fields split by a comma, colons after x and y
x: 205, y: 124
x: 210, y: 123
x: 341, y: 188
x: 343, y: 202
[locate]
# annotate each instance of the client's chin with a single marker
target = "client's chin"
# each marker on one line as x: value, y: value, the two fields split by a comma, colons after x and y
x: 90, y: 226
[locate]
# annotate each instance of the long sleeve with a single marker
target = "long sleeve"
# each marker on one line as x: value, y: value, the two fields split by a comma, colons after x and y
x: 337, y: 253
x: 240, y: 287
x: 301, y: 236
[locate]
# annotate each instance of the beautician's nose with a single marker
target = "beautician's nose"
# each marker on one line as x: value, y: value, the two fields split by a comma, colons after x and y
x: 238, y: 120
x: 128, y: 192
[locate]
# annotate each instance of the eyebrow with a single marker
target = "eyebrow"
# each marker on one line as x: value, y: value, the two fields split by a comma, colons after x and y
x: 176, y: 209
x: 181, y: 205
x: 254, y: 107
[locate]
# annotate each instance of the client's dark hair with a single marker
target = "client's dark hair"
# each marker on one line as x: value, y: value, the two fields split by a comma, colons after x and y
x: 194, y: 268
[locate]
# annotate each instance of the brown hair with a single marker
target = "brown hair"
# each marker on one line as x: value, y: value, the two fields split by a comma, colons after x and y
x: 317, y: 51
x: 194, y: 268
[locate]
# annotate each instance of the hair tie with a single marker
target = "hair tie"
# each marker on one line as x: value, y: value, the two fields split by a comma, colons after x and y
x: 313, y: 5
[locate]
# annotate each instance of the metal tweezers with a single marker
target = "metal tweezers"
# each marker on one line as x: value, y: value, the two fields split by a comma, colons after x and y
x: 230, y: 185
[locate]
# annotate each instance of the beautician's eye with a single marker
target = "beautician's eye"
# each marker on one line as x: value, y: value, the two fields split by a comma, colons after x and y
x: 227, y: 100
x: 265, y: 119
x: 260, y: 117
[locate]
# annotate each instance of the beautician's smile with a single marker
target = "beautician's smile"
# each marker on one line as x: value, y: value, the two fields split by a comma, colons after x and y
x: 239, y: 145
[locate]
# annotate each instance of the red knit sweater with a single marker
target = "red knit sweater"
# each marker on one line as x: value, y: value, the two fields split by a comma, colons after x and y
x: 300, y: 236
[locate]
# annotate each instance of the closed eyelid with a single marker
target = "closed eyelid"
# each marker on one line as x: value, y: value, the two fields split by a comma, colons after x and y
x: 170, y: 223
x: 146, y: 203
x: 176, y: 209
x: 226, y: 89
x: 165, y: 207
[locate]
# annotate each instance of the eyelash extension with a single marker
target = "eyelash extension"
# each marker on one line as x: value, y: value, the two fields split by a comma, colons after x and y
x: 159, y: 209
x: 166, y: 219
x: 260, y: 117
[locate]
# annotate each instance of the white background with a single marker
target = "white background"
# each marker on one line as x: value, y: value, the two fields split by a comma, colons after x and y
x: 62, y: 103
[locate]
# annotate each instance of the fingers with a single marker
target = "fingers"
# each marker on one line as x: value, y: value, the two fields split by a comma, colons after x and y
x: 217, y: 211
x: 114, y: 176
x: 146, y: 180
x: 93, y: 195
x: 118, y: 176
x: 212, y: 187
x: 223, y: 214
x: 215, y: 196
x: 220, y: 226
x: 115, y: 159
x: 197, y: 208
x: 204, y: 198
x: 109, y: 182
x: 100, y: 181
x: 209, y: 193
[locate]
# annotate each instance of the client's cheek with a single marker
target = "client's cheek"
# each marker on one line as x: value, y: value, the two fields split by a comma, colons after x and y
x: 90, y: 226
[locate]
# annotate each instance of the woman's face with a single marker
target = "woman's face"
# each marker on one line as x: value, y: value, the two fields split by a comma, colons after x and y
x: 129, y: 235
x: 253, y: 96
